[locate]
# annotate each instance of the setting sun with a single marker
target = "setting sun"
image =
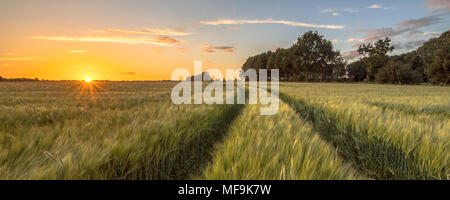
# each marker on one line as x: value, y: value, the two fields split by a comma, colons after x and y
x: 88, y: 80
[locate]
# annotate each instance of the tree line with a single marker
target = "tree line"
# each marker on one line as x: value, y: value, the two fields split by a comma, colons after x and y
x: 18, y: 79
x: 313, y: 58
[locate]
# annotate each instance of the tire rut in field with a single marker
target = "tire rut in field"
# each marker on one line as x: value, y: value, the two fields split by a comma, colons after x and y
x: 372, y: 156
x: 184, y: 157
x: 202, y: 149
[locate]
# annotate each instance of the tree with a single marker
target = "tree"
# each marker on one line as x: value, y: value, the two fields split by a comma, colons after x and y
x: 311, y: 58
x: 438, y: 70
x: 315, y: 57
x: 356, y: 71
x: 398, y: 72
x: 376, y: 55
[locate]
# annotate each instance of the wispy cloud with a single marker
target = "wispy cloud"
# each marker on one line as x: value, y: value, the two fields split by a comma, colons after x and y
x: 377, y: 6
x: 182, y: 49
x: 421, y: 22
x: 374, y: 6
x: 409, y: 45
x: 268, y: 21
x: 77, y: 51
x: 156, y: 31
x: 128, y: 73
x: 407, y: 26
x: 234, y: 27
x: 418, y: 33
x: 348, y: 40
x: 212, y: 49
x: 337, y: 11
x: 159, y: 41
x: 431, y: 33
x: 438, y: 5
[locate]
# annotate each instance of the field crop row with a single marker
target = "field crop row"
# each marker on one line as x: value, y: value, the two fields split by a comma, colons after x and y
x: 383, y: 144
x: 280, y: 146
x: 124, y: 131
x: 131, y: 130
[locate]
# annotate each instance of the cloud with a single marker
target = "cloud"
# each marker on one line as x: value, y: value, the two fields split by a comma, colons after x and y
x: 377, y: 6
x: 208, y: 51
x: 414, y: 33
x: 374, y: 6
x: 349, y: 55
x: 234, y: 28
x: 158, y: 31
x: 375, y: 34
x: 438, y: 5
x: 355, y: 40
x: 348, y: 40
x: 128, y: 73
x: 9, y: 54
x: 407, y: 26
x: 409, y: 45
x: 159, y: 41
x: 337, y: 12
x: 432, y: 34
x: 77, y: 51
x: 268, y: 21
x: 421, y: 22
x: 212, y: 49
x: 182, y: 49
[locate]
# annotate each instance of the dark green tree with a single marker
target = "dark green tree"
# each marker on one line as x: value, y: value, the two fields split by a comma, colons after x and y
x: 398, y: 72
x: 376, y: 55
x: 356, y: 71
x: 438, y: 70
x: 315, y: 58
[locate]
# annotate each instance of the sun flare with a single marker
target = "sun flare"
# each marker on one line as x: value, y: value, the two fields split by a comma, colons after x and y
x: 88, y: 80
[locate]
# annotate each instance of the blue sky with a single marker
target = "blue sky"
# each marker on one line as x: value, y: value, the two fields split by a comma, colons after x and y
x: 154, y: 37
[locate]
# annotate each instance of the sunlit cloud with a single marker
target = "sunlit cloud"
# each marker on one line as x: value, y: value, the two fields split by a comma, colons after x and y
x: 419, y: 33
x: 181, y: 49
x: 268, y: 21
x: 77, y: 51
x: 438, y: 5
x: 158, y: 31
x: 128, y: 73
x: 348, y: 40
x: 212, y: 49
x: 234, y: 28
x: 408, y: 27
x: 408, y: 45
x: 432, y: 34
x: 159, y: 41
x: 376, y: 6
x: 421, y: 22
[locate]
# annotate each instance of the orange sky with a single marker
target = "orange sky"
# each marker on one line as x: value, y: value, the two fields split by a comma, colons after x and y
x: 148, y: 40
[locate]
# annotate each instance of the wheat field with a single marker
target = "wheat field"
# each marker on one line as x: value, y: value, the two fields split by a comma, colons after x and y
x: 132, y: 130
